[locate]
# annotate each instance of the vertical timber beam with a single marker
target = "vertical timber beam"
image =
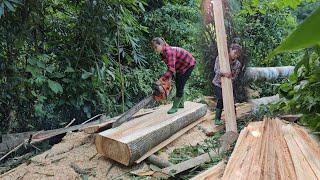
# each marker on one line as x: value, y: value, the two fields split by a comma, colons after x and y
x: 226, y: 83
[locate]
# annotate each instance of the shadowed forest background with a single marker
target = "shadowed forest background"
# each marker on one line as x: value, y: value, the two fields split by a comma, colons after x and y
x: 61, y: 60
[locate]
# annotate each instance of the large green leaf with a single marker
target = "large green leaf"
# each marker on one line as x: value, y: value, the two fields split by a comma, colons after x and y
x: 9, y: 6
x: 1, y: 9
x: 306, y: 35
x: 55, y: 86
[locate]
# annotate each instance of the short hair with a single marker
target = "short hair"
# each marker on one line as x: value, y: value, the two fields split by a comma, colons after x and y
x: 158, y: 41
x: 237, y: 47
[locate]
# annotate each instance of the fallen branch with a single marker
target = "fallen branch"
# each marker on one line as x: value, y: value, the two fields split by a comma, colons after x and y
x: 71, y: 122
x: 93, y: 118
x: 161, y: 163
x: 77, y: 169
x: 188, y: 164
x: 13, y: 150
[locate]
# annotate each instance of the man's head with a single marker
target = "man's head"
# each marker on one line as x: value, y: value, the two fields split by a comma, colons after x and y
x: 235, y: 51
x: 157, y: 44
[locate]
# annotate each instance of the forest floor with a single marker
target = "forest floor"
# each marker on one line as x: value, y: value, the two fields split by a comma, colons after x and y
x: 76, y: 156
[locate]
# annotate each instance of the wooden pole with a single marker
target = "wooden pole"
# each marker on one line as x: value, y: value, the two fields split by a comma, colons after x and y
x: 226, y: 83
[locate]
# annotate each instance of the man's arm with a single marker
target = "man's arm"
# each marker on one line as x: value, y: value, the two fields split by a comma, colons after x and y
x: 171, y: 61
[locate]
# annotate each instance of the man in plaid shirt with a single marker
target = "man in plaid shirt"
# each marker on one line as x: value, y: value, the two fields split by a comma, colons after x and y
x: 178, y: 61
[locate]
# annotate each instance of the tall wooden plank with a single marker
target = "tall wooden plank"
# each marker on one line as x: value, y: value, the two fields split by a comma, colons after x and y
x: 226, y: 83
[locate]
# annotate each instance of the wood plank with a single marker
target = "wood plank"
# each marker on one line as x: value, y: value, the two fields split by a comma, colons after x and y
x: 309, y: 154
x: 130, y: 141
x: 226, y: 83
x: 172, y: 138
x: 107, y: 123
x: 283, y: 155
x: 242, y: 110
x: 188, y: 164
x: 214, y: 172
x: 301, y: 165
x: 273, y: 149
x: 243, y: 152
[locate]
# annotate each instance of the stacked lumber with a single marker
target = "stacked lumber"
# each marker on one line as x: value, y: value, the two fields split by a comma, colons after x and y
x: 273, y: 149
x: 130, y: 141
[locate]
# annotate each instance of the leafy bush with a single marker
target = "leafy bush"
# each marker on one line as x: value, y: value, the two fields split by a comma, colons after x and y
x: 73, y: 59
x: 302, y: 91
x: 261, y: 27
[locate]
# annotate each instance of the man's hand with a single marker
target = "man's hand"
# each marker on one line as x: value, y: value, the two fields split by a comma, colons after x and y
x: 228, y: 75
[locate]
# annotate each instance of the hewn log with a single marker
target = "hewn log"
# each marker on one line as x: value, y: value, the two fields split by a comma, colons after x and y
x: 131, y: 140
x: 172, y: 138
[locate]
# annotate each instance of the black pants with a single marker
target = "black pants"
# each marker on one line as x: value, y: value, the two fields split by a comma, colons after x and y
x: 181, y: 80
x: 218, y: 93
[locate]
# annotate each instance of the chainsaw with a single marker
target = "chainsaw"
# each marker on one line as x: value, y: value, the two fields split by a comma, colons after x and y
x: 161, y: 91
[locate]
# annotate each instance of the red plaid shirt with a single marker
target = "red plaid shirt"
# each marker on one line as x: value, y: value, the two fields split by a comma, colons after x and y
x: 177, y: 59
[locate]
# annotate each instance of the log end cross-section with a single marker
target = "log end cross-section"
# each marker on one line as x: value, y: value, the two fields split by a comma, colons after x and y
x: 133, y: 139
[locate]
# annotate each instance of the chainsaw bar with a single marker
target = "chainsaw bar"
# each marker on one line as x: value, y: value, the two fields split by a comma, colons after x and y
x: 127, y: 115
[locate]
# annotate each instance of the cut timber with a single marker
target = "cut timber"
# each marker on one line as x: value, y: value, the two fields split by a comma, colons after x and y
x: 172, y: 138
x: 188, y: 164
x: 305, y: 154
x: 214, y: 172
x: 242, y: 110
x: 131, y: 140
x: 107, y: 123
x: 272, y: 149
x: 226, y: 83
x: 268, y: 73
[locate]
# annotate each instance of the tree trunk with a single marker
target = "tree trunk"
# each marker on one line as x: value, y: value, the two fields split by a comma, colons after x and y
x: 268, y: 73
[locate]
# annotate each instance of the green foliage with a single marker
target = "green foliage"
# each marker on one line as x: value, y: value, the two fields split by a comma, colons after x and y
x: 8, y: 6
x: 187, y: 152
x: 66, y: 59
x: 265, y: 27
x: 307, y: 35
x: 302, y: 90
x: 180, y: 26
x: 61, y: 60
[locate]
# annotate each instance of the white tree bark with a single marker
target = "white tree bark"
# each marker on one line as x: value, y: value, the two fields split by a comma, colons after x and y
x: 268, y: 73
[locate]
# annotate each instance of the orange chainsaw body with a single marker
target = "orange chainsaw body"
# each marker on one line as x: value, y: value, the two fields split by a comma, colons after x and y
x: 162, y: 89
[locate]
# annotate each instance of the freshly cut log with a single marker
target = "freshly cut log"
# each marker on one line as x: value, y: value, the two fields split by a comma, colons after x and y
x: 273, y: 149
x: 130, y: 141
x: 268, y: 73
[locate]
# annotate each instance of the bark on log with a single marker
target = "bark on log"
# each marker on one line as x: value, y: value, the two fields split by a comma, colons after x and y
x: 131, y: 140
x: 267, y: 73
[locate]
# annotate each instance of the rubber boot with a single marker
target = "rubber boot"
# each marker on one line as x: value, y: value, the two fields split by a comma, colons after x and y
x: 175, y: 105
x: 181, y: 104
x: 217, y: 120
